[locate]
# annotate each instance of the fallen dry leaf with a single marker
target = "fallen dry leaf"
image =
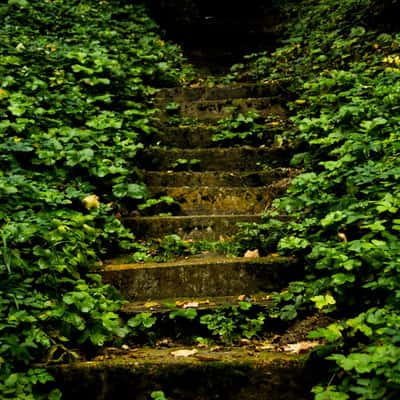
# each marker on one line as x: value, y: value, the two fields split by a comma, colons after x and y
x: 252, y: 254
x: 300, y: 347
x: 191, y: 304
x: 184, y: 353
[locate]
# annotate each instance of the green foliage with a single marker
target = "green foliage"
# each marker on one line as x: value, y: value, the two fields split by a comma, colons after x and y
x: 240, y: 127
x: 341, y: 215
x: 141, y: 322
x: 75, y: 80
x: 158, y: 395
x: 233, y: 322
x: 184, y: 164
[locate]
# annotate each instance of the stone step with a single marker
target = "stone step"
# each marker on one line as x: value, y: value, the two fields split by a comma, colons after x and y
x: 214, y: 110
x: 201, y: 135
x: 204, y: 277
x: 234, y: 373
x: 218, y: 178
x: 202, y: 200
x: 195, y: 227
x: 164, y: 306
x: 221, y: 92
x: 185, y: 136
x: 244, y: 158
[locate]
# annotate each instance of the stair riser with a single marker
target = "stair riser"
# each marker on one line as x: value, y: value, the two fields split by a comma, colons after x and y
x: 197, y: 137
x: 183, y: 94
x: 203, y: 279
x: 185, y: 137
x: 237, y: 158
x: 221, y: 179
x: 195, y: 228
x: 218, y: 200
x: 211, y: 111
x: 268, y: 377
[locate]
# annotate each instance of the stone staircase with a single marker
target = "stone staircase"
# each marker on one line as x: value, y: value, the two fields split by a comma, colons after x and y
x: 230, y: 185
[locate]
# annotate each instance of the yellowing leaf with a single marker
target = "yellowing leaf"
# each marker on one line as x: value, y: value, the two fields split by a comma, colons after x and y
x: 91, y: 201
x: 323, y: 301
x: 151, y: 304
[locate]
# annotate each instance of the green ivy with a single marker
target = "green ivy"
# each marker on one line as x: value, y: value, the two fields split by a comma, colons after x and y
x: 341, y: 214
x: 76, y: 80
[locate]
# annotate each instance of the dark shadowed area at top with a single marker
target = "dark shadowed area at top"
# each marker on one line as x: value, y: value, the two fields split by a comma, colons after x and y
x: 218, y: 33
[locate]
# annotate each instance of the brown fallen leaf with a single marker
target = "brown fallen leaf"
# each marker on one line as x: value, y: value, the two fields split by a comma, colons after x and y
x: 300, y: 347
x: 191, y: 304
x: 267, y: 346
x: 252, y: 254
x: 184, y: 353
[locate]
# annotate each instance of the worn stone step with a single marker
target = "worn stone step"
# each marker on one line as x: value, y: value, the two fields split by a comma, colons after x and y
x: 244, y: 158
x: 214, y: 110
x: 195, y: 227
x: 185, y: 136
x: 201, y: 135
x: 218, y: 178
x: 164, y: 306
x: 204, y: 277
x: 235, y: 373
x: 199, y: 200
x: 221, y: 92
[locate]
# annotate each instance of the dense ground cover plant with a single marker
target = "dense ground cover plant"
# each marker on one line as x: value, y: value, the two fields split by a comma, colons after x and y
x: 343, y: 65
x: 75, y: 81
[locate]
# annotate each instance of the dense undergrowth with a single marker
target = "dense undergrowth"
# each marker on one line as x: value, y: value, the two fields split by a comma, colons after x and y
x: 75, y: 80
x: 342, y: 61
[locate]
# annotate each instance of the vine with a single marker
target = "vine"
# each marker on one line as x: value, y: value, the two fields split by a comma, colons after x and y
x: 76, y: 80
x: 342, y: 211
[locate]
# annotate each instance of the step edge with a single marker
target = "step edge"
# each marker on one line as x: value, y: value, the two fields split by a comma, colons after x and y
x: 268, y: 260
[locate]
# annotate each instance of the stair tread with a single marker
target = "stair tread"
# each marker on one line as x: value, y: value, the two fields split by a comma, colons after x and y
x: 206, y: 261
x: 188, y: 372
x: 199, y: 303
x: 193, y: 217
x: 146, y: 355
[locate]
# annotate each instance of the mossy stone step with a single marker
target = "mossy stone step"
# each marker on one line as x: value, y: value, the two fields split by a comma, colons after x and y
x: 200, y: 200
x: 243, y: 158
x: 163, y: 306
x: 189, y: 136
x: 231, y: 374
x: 221, y: 92
x: 196, y: 227
x: 218, y: 178
x: 201, y: 135
x: 213, y: 110
x: 205, y: 277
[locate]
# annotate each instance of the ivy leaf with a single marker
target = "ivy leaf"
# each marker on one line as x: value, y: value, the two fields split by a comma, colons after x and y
x: 104, y: 120
x: 322, y: 301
